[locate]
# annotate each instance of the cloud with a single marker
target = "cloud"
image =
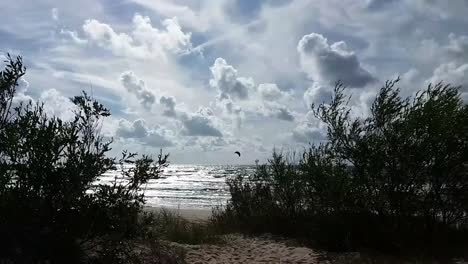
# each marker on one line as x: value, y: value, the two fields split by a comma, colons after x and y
x: 270, y: 91
x: 457, y: 48
x: 23, y: 85
x: 169, y: 104
x: 284, y: 114
x: 137, y: 86
x: 231, y: 108
x: 119, y: 43
x: 378, y: 4
x: 55, y: 104
x: 317, y: 94
x: 172, y: 38
x: 453, y: 67
x: 54, y: 12
x: 275, y: 110
x: 20, y: 95
x: 144, y: 41
x: 234, y: 90
x: 157, y: 139
x: 73, y: 36
x: 138, y: 130
x: 200, y: 124
x: 308, y: 133
x: 329, y: 63
x: 451, y: 73
x: 226, y: 80
x: 212, y: 144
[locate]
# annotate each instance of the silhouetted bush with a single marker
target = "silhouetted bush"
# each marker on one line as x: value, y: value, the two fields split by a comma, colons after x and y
x: 51, y: 208
x: 394, y: 181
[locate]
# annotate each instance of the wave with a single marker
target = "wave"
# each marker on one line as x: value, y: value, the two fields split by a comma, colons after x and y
x: 186, y: 186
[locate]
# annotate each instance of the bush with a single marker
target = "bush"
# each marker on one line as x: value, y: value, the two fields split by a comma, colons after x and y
x: 394, y: 181
x: 50, y: 206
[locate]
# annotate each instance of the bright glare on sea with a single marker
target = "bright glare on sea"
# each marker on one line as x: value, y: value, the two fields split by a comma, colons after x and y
x: 188, y: 186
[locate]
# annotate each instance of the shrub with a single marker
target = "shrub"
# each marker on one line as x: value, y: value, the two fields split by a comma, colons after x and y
x: 50, y: 206
x: 392, y: 181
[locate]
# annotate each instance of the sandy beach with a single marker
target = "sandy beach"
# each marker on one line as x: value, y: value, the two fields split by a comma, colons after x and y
x: 239, y: 249
x: 189, y: 214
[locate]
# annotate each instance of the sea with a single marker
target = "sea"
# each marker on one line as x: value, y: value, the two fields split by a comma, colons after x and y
x: 188, y: 186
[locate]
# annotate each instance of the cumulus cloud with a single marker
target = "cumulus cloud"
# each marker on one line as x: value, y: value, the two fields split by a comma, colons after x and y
x: 276, y: 110
x: 21, y: 97
x: 139, y: 130
x: 231, y: 107
x: 137, y: 87
x: 453, y: 73
x: 169, y: 104
x: 172, y: 38
x: 457, y: 48
x: 55, y: 104
x: 23, y: 85
x: 158, y: 140
x: 212, y: 144
x: 200, y: 124
x: 283, y: 113
x: 144, y: 41
x: 453, y: 69
x: 226, y: 80
x: 232, y: 110
x: 119, y: 43
x: 329, y: 63
x: 317, y: 94
x: 270, y: 91
x: 233, y: 89
x: 308, y: 133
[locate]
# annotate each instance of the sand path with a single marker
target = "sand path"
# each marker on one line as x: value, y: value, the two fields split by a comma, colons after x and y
x: 239, y: 249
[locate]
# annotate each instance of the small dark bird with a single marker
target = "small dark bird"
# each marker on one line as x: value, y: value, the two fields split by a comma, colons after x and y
x: 238, y: 153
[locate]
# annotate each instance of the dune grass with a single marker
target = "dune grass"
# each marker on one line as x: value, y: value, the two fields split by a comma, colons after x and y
x: 171, y: 226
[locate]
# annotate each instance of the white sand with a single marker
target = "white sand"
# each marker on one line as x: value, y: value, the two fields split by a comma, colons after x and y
x: 240, y: 249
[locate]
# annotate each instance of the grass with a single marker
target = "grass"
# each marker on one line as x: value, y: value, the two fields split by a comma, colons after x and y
x: 169, y: 225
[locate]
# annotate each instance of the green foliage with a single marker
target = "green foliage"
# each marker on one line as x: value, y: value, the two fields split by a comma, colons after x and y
x: 393, y: 181
x: 51, y: 208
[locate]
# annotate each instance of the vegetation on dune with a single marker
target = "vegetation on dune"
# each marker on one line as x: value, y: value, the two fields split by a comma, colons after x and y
x: 171, y: 226
x: 394, y: 181
x: 48, y: 167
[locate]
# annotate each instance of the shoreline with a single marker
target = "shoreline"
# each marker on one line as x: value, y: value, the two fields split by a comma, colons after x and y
x: 189, y: 214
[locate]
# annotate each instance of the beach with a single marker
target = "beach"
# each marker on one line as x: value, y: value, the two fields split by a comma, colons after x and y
x: 187, y: 213
x: 240, y: 249
x: 237, y: 248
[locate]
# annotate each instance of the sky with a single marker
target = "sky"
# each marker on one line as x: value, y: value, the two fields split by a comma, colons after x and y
x: 201, y: 79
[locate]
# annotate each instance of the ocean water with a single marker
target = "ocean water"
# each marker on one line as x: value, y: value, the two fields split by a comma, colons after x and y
x: 187, y: 186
